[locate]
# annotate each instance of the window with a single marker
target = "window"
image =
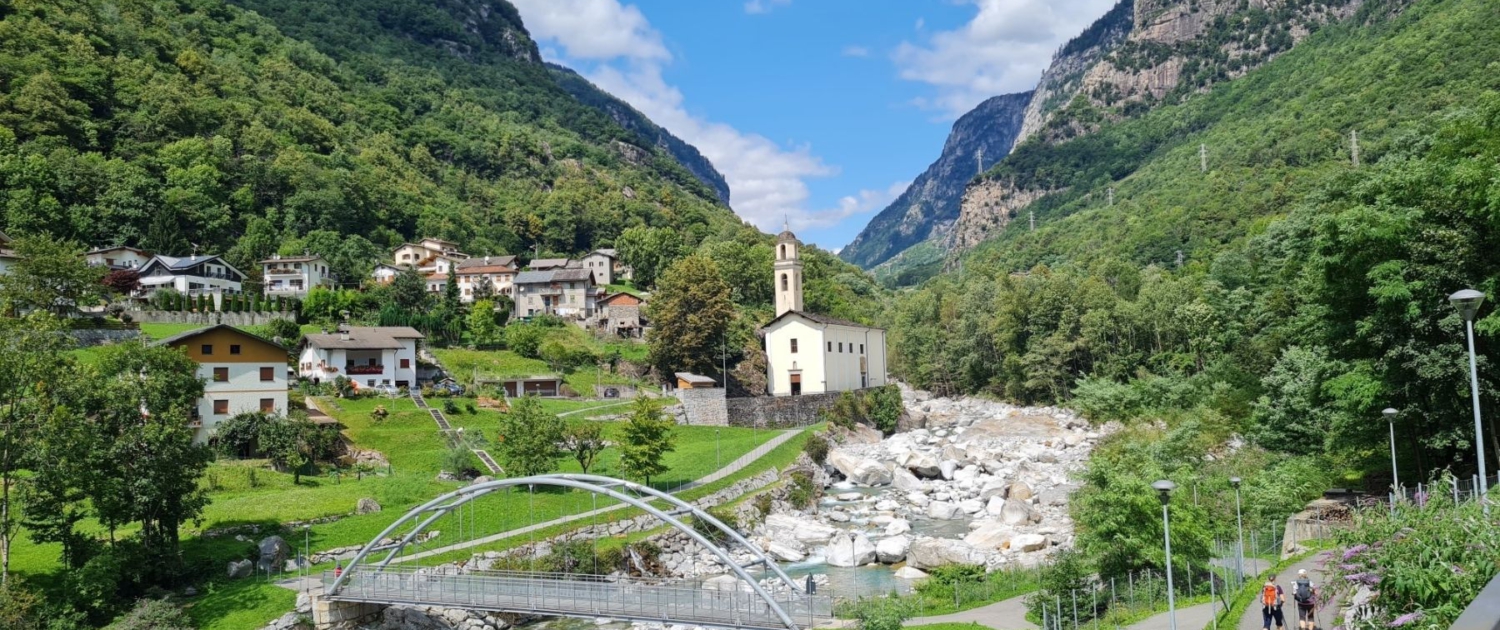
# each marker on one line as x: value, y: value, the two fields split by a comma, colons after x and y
x: 405, y: 364
x: 221, y: 407
x: 841, y: 346
x: 794, y: 346
x: 268, y: 374
x: 234, y: 348
x: 783, y: 282
x: 221, y: 375
x: 370, y: 382
x: 783, y: 252
x: 861, y: 348
x: 207, y: 349
x: 268, y: 405
x: 830, y: 346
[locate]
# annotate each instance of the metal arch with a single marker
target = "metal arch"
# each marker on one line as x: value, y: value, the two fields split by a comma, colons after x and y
x: 469, y: 493
x: 698, y: 513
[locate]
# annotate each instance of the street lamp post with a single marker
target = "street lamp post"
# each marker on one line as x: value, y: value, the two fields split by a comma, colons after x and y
x: 1467, y: 302
x: 1390, y: 418
x: 1239, y: 521
x: 1164, y: 487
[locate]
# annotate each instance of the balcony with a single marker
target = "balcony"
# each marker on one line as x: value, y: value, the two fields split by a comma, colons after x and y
x: 364, y: 369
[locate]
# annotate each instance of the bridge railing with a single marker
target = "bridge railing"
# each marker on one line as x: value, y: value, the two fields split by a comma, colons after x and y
x: 1484, y: 612
x: 580, y: 596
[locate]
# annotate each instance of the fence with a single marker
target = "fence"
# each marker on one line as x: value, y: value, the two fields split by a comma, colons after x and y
x: 1459, y: 489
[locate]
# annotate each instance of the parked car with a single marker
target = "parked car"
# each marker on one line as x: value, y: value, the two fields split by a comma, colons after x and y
x: 611, y: 392
x: 387, y: 390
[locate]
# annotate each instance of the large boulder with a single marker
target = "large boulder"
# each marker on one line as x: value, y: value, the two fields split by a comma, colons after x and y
x: 942, y: 511
x: 904, y: 481
x: 273, y: 554
x: 1053, y: 497
x: 995, y: 505
x: 948, y: 467
x: 892, y: 550
x: 955, y: 453
x: 1015, y: 512
x: 918, y: 499
x: 1029, y: 542
x: 806, y: 532
x: 993, y: 487
x: 859, y: 469
x: 970, y: 506
x: 967, y: 473
x: 785, y: 552
x: 727, y: 582
x: 898, y: 527
x: 923, y: 465
x: 240, y: 569
x: 366, y: 506
x: 1019, y: 490
x: 850, y: 551
x: 930, y: 553
x: 910, y: 573
x: 989, y: 535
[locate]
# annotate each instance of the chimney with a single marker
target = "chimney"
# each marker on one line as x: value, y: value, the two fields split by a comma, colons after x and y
x: 343, y: 334
x: 486, y: 260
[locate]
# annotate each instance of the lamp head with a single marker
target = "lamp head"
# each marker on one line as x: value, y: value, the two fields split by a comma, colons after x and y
x: 1234, y: 481
x: 1390, y: 414
x: 1467, y: 302
x: 1165, y: 487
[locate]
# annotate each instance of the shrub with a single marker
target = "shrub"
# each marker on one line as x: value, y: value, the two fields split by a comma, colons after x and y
x: 816, y: 448
x: 803, y: 492
x: 469, y: 407
x: 153, y: 614
x: 379, y: 414
x: 450, y: 407
x: 763, y: 503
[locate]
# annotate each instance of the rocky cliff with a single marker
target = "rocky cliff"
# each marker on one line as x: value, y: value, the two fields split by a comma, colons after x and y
x: 1064, y: 77
x: 930, y: 205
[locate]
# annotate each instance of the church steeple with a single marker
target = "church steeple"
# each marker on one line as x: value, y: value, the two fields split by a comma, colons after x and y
x: 788, y: 269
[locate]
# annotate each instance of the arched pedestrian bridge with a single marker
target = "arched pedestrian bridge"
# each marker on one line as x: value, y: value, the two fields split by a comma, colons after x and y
x: 370, y: 579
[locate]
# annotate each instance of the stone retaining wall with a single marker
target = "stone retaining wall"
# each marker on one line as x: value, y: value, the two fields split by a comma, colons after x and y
x: 90, y: 337
x: 209, y: 319
x: 704, y: 406
x: 779, y: 412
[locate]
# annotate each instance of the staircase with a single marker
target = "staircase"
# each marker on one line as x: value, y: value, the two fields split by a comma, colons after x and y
x: 447, y: 429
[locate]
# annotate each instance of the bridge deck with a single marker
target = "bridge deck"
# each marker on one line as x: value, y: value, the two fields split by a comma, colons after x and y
x: 580, y: 596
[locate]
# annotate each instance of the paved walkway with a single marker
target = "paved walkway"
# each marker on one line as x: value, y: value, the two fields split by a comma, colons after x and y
x: 1009, y: 614
x: 733, y: 467
x: 1190, y: 618
x: 1287, y: 578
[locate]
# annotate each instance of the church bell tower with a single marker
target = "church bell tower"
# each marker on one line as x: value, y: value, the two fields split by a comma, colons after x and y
x: 788, y: 272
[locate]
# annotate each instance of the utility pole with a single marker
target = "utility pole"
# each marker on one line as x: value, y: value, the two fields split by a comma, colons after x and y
x: 1111, y: 193
x: 1032, y: 215
x: 1179, y: 258
x: 979, y: 157
x: 1354, y: 147
x: 1203, y: 157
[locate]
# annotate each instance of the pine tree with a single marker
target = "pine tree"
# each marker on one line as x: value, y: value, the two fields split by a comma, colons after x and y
x: 646, y: 437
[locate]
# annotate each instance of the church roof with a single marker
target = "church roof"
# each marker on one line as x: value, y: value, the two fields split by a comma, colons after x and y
x: 820, y: 319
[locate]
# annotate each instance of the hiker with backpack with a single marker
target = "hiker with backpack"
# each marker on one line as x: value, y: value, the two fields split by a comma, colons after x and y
x: 1271, y: 599
x: 1306, y: 595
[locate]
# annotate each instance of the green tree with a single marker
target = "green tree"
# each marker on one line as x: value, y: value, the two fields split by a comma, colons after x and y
x: 483, y: 327
x: 649, y: 252
x: 527, y: 443
x: 32, y: 367
x: 690, y: 315
x: 645, y: 439
x: 525, y: 339
x: 451, y: 302
x: 409, y: 291
x: 50, y: 275
x: 585, y: 441
x: 153, y: 614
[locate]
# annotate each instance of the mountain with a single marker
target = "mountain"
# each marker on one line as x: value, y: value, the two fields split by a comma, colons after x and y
x: 320, y: 124
x: 1064, y: 76
x: 930, y: 204
x: 632, y: 119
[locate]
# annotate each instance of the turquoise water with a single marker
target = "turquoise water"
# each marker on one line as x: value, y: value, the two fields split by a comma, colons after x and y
x: 850, y: 582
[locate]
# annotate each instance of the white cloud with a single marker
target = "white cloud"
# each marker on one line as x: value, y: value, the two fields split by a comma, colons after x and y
x: 767, y: 180
x: 856, y: 51
x: 1003, y: 49
x: 863, y: 202
x: 756, y: 7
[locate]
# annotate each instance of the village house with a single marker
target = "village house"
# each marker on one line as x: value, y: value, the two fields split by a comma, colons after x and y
x: 807, y: 353
x: 606, y: 266
x: 622, y: 314
x: 384, y: 274
x: 294, y: 276
x: 545, y: 264
x: 499, y: 272
x: 241, y: 373
x: 8, y: 256
x: 368, y: 356
x: 563, y: 292
x: 117, y: 257
x: 429, y: 256
x: 193, y: 275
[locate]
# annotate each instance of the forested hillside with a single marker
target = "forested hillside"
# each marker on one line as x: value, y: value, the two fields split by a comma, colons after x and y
x: 346, y: 126
x: 1309, y: 292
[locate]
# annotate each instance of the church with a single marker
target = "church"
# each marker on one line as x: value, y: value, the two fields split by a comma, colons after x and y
x: 807, y: 353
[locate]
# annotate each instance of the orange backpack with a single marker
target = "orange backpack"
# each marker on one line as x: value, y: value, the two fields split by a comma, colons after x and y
x: 1268, y: 595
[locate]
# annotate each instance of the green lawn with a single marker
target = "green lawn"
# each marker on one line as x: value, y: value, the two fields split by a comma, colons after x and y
x: 624, y: 288
x: 464, y: 364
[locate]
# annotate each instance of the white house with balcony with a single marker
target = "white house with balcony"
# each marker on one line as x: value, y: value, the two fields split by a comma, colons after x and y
x: 117, y: 257
x: 191, y: 275
x: 808, y: 353
x: 429, y: 255
x: 499, y: 272
x: 294, y: 276
x: 241, y: 373
x: 368, y: 356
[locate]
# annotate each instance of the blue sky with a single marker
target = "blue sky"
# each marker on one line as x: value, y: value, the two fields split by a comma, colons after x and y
x: 820, y: 111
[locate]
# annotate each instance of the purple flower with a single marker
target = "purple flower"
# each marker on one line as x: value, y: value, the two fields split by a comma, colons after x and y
x: 1405, y: 619
x: 1354, y: 551
x: 1458, y: 570
x: 1349, y: 567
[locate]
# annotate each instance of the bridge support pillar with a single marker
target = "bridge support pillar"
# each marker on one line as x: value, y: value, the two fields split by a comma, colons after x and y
x: 331, y: 614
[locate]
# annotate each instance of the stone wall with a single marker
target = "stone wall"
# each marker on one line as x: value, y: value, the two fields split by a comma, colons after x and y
x: 89, y: 337
x: 703, y: 406
x: 779, y: 412
x: 209, y: 319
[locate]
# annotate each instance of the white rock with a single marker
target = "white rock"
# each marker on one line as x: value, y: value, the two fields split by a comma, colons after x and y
x: 942, y: 510
x: 910, y: 573
x: 989, y: 535
x: 904, y: 481
x: 851, y: 551
x: 838, y: 516
x: 887, y: 505
x: 859, y: 469
x: 923, y: 465
x: 970, y: 506
x: 918, y: 499
x: 892, y: 550
x: 927, y: 553
x: 993, y: 487
x: 807, y: 532
x: 1019, y: 490
x: 785, y: 552
x: 941, y: 496
x: 727, y: 582
x: 1015, y: 512
x: 898, y: 527
x: 849, y: 496
x: 948, y: 467
x: 1029, y: 542
x: 967, y: 473
x: 994, y: 506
